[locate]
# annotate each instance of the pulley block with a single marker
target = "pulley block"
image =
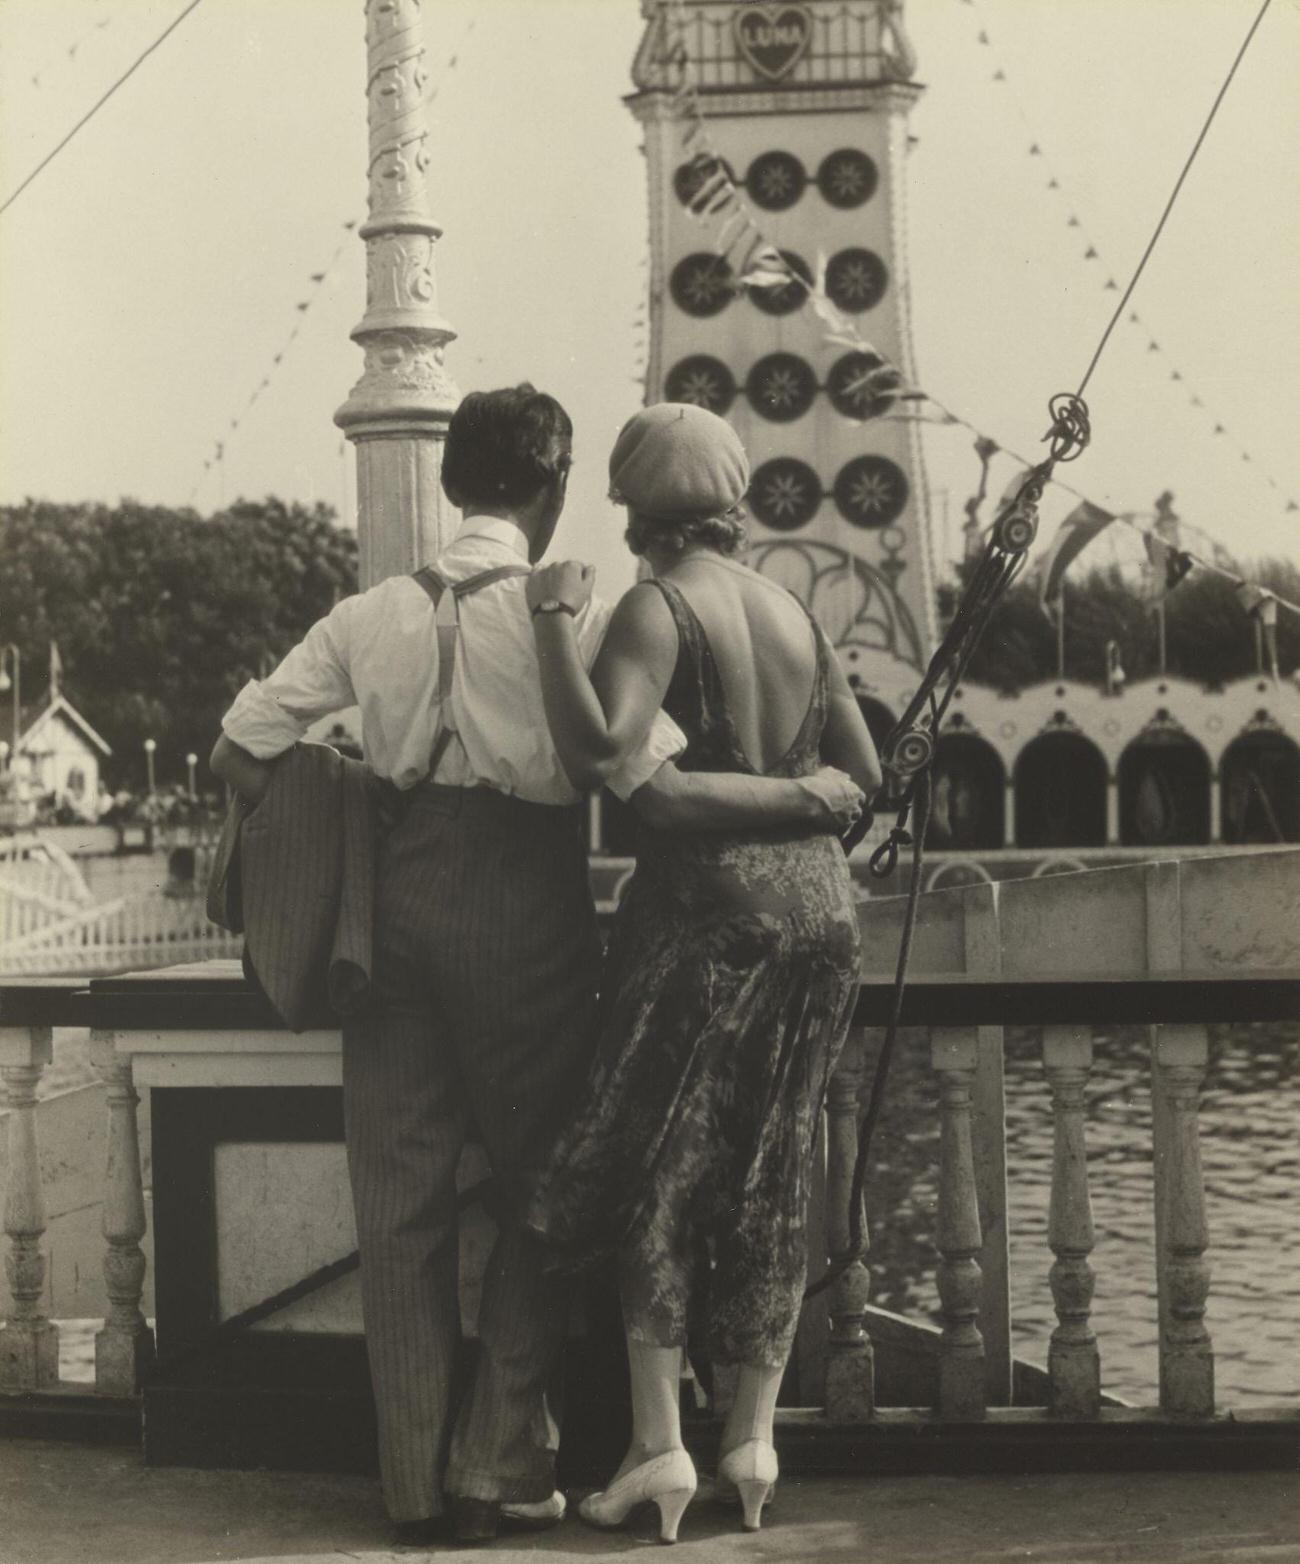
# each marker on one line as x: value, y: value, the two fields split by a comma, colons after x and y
x: 909, y: 750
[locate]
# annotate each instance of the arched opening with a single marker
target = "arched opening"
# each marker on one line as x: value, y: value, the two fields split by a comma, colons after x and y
x: 966, y: 813
x: 1164, y: 791
x: 1260, y: 787
x: 1060, y: 792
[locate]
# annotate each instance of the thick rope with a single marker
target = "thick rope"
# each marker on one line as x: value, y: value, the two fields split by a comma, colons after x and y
x: 857, y: 1243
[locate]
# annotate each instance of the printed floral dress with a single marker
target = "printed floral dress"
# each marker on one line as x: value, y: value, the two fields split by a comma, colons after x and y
x: 727, y: 991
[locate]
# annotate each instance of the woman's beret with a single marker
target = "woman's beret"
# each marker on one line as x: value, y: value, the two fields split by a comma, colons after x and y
x: 677, y: 461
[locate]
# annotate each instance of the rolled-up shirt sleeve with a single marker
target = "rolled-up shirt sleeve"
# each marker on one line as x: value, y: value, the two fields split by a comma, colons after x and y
x: 665, y: 741
x: 270, y: 715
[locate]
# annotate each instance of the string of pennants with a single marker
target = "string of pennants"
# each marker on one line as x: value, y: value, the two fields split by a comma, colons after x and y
x: 70, y: 51
x: 717, y: 199
x: 1091, y: 253
x: 303, y: 308
x: 1169, y: 559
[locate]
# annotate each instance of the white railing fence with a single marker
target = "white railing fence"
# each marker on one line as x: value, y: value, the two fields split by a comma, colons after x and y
x: 1213, y: 917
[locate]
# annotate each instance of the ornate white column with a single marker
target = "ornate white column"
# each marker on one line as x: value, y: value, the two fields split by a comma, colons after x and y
x: 398, y: 411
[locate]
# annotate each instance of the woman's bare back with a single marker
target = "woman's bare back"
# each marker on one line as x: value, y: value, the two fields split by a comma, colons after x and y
x: 764, y: 647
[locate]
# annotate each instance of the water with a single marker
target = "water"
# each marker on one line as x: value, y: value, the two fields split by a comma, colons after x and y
x: 1251, y: 1161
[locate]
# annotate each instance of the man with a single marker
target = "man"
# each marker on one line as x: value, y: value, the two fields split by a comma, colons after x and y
x: 485, y: 959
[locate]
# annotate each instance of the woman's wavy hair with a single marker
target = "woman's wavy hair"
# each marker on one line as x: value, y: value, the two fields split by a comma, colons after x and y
x: 504, y: 447
x: 723, y: 531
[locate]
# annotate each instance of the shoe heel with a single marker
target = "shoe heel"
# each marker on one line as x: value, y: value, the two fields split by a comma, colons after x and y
x: 671, y: 1506
x: 753, y: 1496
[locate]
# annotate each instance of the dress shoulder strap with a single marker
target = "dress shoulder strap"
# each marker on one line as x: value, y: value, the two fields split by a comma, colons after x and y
x: 690, y: 632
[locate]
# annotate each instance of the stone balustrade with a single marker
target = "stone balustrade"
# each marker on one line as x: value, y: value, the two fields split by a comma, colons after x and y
x: 1181, y: 944
x: 1174, y: 946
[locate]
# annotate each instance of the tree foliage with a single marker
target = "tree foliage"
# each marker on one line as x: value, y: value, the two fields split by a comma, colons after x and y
x: 161, y: 615
x: 1208, y: 635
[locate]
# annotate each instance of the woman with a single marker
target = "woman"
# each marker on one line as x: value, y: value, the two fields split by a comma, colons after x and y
x: 733, y: 962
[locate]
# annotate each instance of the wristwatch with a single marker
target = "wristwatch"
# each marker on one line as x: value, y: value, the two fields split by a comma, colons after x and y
x: 554, y: 605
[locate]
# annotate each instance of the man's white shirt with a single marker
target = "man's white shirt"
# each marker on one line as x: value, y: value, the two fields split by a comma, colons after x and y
x: 379, y: 650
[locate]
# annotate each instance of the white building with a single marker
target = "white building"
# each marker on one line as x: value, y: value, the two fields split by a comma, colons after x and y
x: 60, y: 753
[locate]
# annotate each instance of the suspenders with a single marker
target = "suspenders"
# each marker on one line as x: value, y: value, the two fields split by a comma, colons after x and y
x: 445, y: 608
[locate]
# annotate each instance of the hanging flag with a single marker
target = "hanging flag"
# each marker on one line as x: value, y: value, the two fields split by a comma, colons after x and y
x: 1079, y: 528
x: 1261, y: 605
x: 1165, y: 567
x: 56, y: 671
x: 1116, y: 678
x: 1166, y: 563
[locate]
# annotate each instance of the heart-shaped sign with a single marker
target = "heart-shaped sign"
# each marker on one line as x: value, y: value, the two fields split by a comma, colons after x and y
x: 773, y: 38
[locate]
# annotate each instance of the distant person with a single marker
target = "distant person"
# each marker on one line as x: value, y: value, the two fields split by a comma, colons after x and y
x: 732, y: 967
x: 181, y: 864
x: 486, y: 954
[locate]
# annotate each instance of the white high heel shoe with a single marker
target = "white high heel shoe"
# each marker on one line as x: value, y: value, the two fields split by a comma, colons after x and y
x: 668, y: 1480
x: 750, y: 1469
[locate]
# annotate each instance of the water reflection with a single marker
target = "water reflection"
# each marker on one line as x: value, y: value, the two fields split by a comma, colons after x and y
x: 1250, y: 1157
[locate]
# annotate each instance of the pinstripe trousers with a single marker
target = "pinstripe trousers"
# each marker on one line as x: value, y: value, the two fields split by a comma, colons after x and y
x: 485, y: 970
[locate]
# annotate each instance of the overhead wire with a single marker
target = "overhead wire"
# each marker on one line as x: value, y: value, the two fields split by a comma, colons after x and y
x: 1173, y: 197
x: 1037, y: 148
x: 99, y: 104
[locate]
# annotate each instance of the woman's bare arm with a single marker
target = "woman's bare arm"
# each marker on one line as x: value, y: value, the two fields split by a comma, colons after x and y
x: 597, y: 721
x: 846, y: 740
x: 674, y: 800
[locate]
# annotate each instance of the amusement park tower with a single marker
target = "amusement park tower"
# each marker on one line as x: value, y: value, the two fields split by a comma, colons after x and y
x: 803, y: 108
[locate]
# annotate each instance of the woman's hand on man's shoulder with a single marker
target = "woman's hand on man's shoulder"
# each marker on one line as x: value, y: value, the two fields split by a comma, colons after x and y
x: 568, y: 581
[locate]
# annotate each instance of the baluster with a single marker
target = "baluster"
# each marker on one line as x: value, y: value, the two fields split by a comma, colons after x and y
x: 954, y: 1052
x: 29, y: 1343
x: 124, y: 1349
x: 850, y: 1392
x: 1073, y: 1362
x: 1179, y: 1055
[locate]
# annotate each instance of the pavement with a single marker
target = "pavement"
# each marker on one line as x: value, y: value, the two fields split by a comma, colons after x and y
x: 74, y: 1504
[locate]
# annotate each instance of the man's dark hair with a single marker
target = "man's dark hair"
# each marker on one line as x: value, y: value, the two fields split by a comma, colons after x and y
x: 503, y: 447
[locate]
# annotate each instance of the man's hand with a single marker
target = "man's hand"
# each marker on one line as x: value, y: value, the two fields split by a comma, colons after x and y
x: 570, y: 582
x: 838, y: 796
x: 249, y: 776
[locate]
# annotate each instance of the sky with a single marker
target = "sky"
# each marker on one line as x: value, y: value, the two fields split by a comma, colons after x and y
x: 149, y: 276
